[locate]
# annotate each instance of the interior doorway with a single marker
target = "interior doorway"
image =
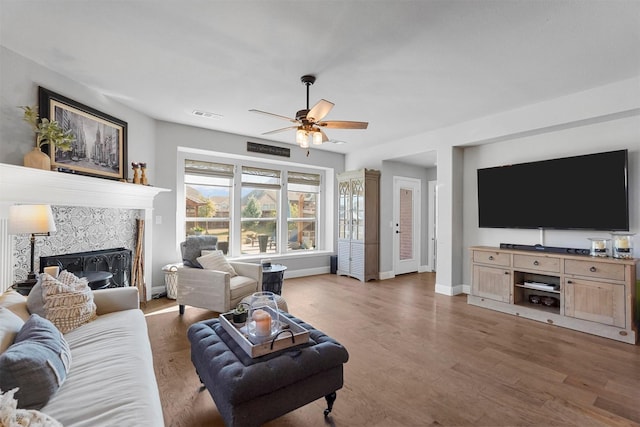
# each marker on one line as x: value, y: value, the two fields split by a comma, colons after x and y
x: 406, y: 225
x: 432, y: 221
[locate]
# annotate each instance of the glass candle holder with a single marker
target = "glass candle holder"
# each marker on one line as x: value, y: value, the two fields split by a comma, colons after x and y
x: 622, y: 245
x: 599, y: 247
x: 263, y: 318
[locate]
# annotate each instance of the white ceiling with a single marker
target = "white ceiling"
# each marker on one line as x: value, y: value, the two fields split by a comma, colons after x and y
x: 406, y: 67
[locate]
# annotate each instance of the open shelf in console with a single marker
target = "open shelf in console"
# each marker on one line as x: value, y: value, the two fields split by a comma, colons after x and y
x: 538, y: 291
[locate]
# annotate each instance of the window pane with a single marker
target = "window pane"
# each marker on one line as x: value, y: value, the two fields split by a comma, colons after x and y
x: 302, y: 219
x: 259, y: 211
x: 207, y: 211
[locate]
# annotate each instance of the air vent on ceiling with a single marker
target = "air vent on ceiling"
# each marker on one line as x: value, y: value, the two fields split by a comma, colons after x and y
x: 206, y: 114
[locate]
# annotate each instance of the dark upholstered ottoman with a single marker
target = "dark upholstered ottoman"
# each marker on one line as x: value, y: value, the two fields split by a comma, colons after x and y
x: 249, y: 392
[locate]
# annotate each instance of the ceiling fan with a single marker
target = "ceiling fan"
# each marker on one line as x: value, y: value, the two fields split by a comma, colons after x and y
x: 309, y: 121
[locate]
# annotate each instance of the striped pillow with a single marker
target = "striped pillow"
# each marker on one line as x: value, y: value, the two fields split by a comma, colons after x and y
x: 217, y: 261
x: 68, y: 301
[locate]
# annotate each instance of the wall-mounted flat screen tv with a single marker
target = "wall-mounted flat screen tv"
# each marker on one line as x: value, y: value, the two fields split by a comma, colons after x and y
x: 587, y: 192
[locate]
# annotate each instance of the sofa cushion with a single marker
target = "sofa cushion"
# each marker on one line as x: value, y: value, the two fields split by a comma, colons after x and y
x: 37, y: 363
x: 10, y: 415
x: 193, y: 246
x: 112, y: 382
x: 216, y: 261
x: 10, y: 325
x: 68, y: 300
x: 16, y: 303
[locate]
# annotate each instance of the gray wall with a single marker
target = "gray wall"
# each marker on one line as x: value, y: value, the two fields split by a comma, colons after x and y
x: 598, y: 137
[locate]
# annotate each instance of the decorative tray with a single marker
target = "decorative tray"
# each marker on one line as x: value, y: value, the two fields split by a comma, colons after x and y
x: 286, y: 334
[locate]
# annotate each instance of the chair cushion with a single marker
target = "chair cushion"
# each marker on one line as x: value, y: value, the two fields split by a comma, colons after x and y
x: 217, y: 261
x: 242, y: 286
x: 193, y: 246
x: 37, y: 362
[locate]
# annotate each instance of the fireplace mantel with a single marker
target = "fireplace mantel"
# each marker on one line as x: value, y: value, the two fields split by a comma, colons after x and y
x: 22, y: 185
x: 19, y: 184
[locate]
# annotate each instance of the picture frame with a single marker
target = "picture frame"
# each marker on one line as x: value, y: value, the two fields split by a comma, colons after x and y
x: 100, y: 147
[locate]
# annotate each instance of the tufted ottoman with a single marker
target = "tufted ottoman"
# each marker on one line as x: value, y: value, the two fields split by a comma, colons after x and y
x: 250, y: 392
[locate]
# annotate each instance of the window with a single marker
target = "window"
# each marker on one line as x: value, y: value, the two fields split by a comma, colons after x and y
x: 260, y: 198
x: 302, y: 219
x: 208, y: 188
x: 255, y: 209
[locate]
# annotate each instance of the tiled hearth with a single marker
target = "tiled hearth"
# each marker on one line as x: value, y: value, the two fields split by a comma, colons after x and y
x: 90, y: 213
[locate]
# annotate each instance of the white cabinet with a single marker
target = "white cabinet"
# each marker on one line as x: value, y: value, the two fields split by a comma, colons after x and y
x: 358, y: 224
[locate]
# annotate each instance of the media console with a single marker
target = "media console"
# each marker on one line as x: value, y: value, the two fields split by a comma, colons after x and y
x: 587, y: 294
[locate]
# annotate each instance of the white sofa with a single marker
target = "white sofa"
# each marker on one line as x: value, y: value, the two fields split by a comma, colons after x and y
x: 111, y: 381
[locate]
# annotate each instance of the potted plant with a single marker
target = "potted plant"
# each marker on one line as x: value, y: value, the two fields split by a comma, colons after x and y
x: 240, y: 313
x: 197, y: 230
x: 47, y: 132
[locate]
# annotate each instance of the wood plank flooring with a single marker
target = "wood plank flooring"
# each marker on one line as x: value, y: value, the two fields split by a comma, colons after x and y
x: 418, y: 358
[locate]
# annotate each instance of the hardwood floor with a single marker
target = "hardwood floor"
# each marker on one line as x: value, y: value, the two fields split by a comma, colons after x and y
x: 418, y: 358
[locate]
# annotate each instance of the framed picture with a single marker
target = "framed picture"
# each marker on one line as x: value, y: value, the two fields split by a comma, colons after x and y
x: 100, y: 147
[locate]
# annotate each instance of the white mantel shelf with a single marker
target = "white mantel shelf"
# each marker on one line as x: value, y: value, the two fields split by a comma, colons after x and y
x: 19, y: 184
x: 22, y: 185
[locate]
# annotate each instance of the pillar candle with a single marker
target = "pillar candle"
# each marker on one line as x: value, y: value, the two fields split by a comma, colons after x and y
x: 263, y: 322
x: 622, y: 243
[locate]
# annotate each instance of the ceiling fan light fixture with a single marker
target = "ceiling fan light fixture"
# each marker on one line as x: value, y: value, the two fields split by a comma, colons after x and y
x: 302, y: 137
x: 317, y: 137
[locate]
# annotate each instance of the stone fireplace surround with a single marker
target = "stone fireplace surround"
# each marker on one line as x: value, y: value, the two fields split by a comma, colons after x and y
x: 21, y: 185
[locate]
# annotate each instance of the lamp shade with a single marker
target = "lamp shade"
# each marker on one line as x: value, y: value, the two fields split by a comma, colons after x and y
x: 31, y: 219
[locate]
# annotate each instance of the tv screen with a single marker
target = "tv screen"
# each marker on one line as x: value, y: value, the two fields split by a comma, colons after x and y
x: 583, y: 192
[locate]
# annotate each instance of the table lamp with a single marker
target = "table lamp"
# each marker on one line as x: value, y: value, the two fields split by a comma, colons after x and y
x: 36, y: 220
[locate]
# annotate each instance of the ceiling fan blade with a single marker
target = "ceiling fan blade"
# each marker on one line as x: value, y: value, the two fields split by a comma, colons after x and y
x: 318, y: 111
x: 274, y: 115
x: 325, y: 138
x: 280, y: 130
x: 343, y: 124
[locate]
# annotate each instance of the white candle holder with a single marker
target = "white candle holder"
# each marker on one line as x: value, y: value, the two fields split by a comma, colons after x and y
x: 599, y: 247
x: 622, y: 245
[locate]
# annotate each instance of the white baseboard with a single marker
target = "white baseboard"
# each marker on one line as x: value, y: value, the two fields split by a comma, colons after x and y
x: 384, y: 275
x: 449, y: 290
x: 306, y: 272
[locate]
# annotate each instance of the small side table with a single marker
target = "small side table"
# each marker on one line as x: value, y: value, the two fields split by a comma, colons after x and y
x: 96, y: 279
x: 272, y: 278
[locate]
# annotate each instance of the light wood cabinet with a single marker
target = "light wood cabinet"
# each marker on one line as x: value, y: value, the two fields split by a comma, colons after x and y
x: 592, y: 295
x: 359, y: 224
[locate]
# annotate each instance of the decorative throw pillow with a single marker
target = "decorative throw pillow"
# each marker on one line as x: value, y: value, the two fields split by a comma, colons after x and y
x: 194, y: 245
x: 11, y: 416
x: 37, y: 363
x: 35, y: 301
x: 217, y: 261
x: 68, y: 301
x: 10, y: 325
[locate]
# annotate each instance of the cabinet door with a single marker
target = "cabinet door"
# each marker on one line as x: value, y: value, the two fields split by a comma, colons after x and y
x: 493, y: 283
x: 595, y: 301
x: 344, y: 191
x: 357, y: 209
x: 344, y: 257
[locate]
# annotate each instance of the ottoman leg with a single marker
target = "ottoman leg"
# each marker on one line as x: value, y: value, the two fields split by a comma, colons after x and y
x: 330, y: 399
x: 181, y: 309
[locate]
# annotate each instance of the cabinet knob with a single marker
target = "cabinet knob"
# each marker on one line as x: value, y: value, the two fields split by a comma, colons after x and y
x: 569, y: 281
x: 506, y: 272
x: 490, y: 257
x: 536, y: 263
x: 592, y: 269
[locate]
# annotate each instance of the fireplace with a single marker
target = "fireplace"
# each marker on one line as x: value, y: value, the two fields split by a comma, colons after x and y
x: 117, y: 261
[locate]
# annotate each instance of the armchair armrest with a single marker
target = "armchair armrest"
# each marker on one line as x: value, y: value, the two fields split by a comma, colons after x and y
x: 248, y: 269
x: 116, y: 299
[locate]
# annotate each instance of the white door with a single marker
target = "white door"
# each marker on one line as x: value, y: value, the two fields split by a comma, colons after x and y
x: 406, y: 225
